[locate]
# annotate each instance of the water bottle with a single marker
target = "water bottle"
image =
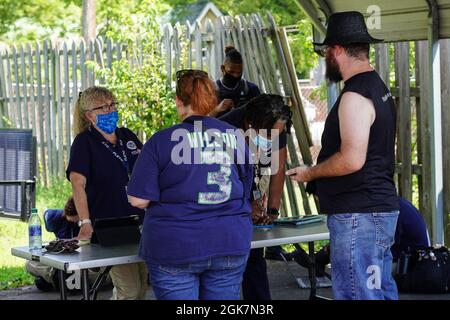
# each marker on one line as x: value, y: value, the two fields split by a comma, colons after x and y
x: 35, y: 232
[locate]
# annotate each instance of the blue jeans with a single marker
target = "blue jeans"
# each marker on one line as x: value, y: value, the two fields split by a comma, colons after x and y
x: 361, y: 259
x: 211, y: 279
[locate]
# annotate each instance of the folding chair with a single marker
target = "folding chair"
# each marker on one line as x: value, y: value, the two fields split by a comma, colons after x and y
x: 17, y: 173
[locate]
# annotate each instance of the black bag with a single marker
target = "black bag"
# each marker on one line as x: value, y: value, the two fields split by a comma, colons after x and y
x: 425, y: 270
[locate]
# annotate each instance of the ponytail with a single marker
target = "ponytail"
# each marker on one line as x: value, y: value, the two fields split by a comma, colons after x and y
x: 204, y: 98
x: 232, y: 55
x: 199, y: 93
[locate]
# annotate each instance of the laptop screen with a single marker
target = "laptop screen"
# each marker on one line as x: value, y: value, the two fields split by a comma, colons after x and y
x: 116, y: 231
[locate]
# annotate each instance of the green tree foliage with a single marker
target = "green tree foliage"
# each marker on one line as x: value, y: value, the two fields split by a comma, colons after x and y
x: 302, y: 49
x: 285, y: 12
x: 140, y: 83
x: 139, y: 79
x: 10, y: 11
x: 25, y: 20
x: 112, y: 13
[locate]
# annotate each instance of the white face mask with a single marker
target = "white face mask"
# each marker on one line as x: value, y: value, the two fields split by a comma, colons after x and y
x: 262, y: 142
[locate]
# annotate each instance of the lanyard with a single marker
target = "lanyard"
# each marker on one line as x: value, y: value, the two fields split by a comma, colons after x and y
x: 123, y: 159
x: 256, y: 171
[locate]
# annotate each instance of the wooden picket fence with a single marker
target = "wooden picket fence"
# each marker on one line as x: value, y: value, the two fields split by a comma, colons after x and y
x: 39, y: 83
x: 267, y: 62
x: 411, y: 90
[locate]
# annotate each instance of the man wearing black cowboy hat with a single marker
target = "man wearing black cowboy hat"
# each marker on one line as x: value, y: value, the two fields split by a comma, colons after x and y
x: 354, y: 171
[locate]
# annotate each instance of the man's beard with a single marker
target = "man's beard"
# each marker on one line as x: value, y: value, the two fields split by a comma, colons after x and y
x: 333, y: 74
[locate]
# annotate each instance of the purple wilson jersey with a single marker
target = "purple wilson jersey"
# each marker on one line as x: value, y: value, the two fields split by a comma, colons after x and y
x: 198, y: 183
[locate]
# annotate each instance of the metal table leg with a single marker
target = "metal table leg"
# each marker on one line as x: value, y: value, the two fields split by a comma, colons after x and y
x: 85, y: 284
x: 312, y: 274
x: 62, y: 285
x: 98, y: 282
x: 312, y: 271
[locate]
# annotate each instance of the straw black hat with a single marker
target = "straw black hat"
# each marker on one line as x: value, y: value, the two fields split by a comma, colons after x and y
x: 346, y: 28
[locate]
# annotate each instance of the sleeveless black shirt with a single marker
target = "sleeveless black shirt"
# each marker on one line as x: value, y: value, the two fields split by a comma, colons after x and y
x: 371, y: 189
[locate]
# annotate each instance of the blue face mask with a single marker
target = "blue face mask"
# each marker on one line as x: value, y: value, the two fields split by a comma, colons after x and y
x: 107, y: 122
x: 264, y: 143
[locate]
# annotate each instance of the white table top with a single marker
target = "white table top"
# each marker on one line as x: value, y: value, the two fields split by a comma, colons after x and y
x: 94, y: 255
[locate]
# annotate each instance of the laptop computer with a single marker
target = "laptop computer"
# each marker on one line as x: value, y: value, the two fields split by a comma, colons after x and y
x: 299, y: 220
x: 116, y: 231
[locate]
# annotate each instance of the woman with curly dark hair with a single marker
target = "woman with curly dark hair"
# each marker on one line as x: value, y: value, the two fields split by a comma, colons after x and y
x: 266, y: 120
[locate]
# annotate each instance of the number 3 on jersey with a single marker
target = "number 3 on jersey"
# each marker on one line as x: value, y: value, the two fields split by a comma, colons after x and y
x: 220, y: 178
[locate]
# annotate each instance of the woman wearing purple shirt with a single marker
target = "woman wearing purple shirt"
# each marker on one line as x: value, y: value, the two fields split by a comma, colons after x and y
x: 194, y: 180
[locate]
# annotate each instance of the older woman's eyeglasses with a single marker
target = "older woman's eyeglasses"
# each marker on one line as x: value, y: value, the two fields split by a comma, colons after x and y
x: 107, y: 107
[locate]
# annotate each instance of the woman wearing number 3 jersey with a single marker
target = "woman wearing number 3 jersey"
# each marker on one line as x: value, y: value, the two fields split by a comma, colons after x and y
x: 194, y: 179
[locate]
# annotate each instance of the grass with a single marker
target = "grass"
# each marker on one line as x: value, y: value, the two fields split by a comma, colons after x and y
x: 14, y: 233
x: 13, y: 277
x: 317, y: 246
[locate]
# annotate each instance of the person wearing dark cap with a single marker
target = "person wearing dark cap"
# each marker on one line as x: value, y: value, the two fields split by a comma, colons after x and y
x: 355, y: 167
x: 232, y: 90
